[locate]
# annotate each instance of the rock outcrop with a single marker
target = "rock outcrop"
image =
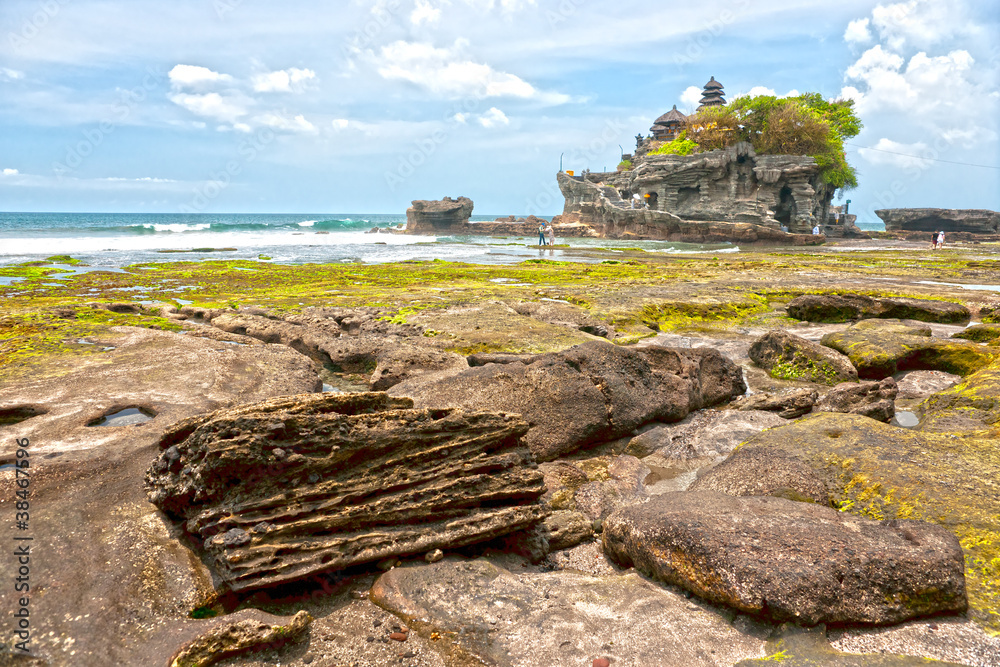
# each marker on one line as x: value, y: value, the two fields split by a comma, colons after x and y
x: 871, y: 399
x: 847, y: 307
x: 788, y: 404
x: 974, y: 221
x: 882, y: 348
x: 765, y: 472
x: 588, y: 394
x: 973, y: 405
x: 790, y: 357
x: 790, y: 560
x: 438, y: 217
x: 240, y: 636
x: 295, y: 486
x: 883, y: 471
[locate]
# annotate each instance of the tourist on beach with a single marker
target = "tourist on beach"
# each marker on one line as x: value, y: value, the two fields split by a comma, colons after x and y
x: 940, y: 239
x: 934, y: 240
x: 552, y: 235
x: 541, y: 234
x: 816, y: 230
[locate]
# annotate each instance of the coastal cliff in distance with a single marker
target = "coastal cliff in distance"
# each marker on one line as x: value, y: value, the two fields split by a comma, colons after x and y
x: 971, y: 221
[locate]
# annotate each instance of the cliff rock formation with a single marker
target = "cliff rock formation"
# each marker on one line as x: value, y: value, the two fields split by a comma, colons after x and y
x: 447, y: 216
x: 973, y: 221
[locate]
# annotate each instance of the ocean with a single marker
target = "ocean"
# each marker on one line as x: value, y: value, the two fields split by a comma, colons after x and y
x: 120, y: 239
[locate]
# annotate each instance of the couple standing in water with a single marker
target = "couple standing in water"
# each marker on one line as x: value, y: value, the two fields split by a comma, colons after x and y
x: 541, y: 234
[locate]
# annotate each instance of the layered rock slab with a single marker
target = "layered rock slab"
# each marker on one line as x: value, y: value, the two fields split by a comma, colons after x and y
x: 295, y: 486
x: 881, y: 348
x: 972, y: 405
x: 847, y: 307
x: 871, y: 399
x: 500, y: 618
x: 790, y: 357
x: 591, y: 393
x: 790, y: 560
x: 885, y: 472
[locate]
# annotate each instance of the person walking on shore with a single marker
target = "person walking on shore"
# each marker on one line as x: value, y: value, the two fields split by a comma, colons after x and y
x: 541, y: 234
x: 934, y: 238
x: 552, y: 235
x: 940, y: 240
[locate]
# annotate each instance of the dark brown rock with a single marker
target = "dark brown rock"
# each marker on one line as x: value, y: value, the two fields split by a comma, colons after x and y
x: 790, y: 357
x: 567, y: 528
x: 975, y: 221
x: 791, y: 560
x: 227, y: 639
x: 871, y: 399
x: 788, y: 404
x: 765, y: 472
x: 438, y: 217
x: 588, y: 394
x: 847, y: 307
x: 361, y: 478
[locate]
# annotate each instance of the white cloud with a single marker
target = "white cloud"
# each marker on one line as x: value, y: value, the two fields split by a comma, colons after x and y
x: 756, y: 91
x: 921, y: 23
x: 446, y: 72
x: 505, y: 5
x: 283, y: 80
x: 10, y: 172
x: 7, y: 74
x: 460, y: 118
x: 690, y: 98
x: 224, y: 108
x: 857, y: 31
x: 195, y: 76
x: 279, y: 122
x: 424, y: 12
x: 896, y: 154
x: 494, y: 118
x: 340, y: 123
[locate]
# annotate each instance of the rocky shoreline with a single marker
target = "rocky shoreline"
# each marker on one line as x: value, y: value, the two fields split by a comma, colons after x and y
x: 652, y: 460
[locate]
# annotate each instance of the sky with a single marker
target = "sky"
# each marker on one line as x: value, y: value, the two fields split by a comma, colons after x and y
x: 310, y: 106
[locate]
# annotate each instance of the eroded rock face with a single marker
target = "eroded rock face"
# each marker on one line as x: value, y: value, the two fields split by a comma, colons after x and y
x: 591, y: 393
x: 879, y: 349
x: 871, y: 399
x: 847, y: 307
x: 789, y: 404
x: 231, y: 638
x: 792, y: 357
x: 790, y: 560
x: 505, y: 619
x: 975, y: 221
x: 438, y: 217
x: 290, y: 487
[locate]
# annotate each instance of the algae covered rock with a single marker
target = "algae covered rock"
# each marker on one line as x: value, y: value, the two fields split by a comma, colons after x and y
x: 847, y: 307
x: 970, y: 406
x: 879, y: 349
x: 980, y: 333
x: 790, y: 357
x: 885, y: 472
x: 291, y: 487
x: 788, y: 560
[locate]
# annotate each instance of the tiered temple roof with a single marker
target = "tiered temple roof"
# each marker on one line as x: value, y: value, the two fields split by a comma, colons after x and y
x: 712, y: 95
x: 669, y: 125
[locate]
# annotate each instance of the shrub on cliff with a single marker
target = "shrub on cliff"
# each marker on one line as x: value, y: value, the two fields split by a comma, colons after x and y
x: 679, y: 146
x: 802, y: 125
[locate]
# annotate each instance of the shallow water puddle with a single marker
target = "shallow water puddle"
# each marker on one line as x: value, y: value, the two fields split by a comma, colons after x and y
x: 905, y: 419
x: 126, y: 417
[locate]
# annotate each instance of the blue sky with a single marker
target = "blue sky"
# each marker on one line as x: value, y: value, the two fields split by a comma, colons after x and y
x: 361, y: 106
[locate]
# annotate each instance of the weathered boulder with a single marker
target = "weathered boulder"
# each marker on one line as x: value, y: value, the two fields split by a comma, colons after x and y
x: 847, y: 307
x: 871, y: 399
x: 438, y: 217
x: 508, y: 619
x: 567, y: 528
x: 790, y: 560
x: 975, y: 221
x: 764, y: 471
x: 792, y: 357
x: 921, y: 384
x: 970, y: 406
x: 980, y: 333
x: 561, y: 482
x: 227, y: 639
x: 879, y: 349
x: 291, y: 487
x: 591, y: 393
x: 566, y: 315
x: 885, y: 472
x: 788, y: 404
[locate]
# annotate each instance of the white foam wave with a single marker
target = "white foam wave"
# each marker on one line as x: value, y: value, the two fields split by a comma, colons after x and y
x: 177, y: 227
x: 308, y: 223
x: 676, y: 251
